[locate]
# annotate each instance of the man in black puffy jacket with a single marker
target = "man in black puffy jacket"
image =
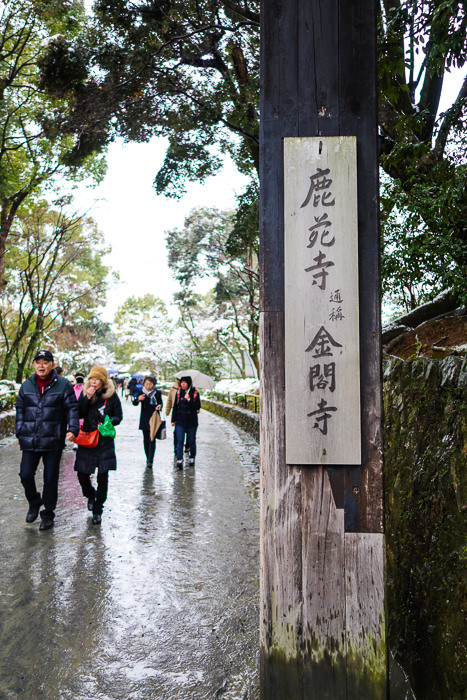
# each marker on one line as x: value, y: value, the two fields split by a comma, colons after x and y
x: 46, y: 415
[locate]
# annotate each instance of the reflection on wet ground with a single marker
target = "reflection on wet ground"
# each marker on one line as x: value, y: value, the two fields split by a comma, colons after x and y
x: 160, y: 601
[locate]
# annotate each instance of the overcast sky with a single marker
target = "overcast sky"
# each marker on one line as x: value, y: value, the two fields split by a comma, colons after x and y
x: 134, y: 219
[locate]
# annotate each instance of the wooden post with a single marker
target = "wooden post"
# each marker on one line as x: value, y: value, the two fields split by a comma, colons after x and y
x: 322, y: 538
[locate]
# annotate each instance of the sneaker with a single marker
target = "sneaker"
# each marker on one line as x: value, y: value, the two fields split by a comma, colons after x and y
x: 33, y: 512
x: 46, y: 524
x: 180, y: 463
x: 191, y: 461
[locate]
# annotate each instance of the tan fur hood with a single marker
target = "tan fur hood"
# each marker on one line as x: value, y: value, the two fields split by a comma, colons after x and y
x: 108, y: 391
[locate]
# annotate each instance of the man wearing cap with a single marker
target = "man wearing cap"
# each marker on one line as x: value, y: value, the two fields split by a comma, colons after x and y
x: 46, y: 405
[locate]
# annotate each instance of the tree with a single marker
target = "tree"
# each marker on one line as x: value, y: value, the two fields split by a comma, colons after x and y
x: 211, y: 342
x: 186, y: 70
x: 37, y: 134
x: 415, y: 264
x: 191, y: 74
x: 145, y: 334
x: 221, y: 245
x: 55, y: 279
x: 424, y: 151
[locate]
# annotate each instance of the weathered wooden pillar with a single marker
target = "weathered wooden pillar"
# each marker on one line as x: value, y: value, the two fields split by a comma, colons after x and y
x: 322, y: 538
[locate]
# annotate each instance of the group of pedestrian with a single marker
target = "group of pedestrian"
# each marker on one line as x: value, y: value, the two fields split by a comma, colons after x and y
x: 51, y: 411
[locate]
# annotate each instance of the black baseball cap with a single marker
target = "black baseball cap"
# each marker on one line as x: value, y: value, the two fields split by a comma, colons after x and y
x: 44, y: 355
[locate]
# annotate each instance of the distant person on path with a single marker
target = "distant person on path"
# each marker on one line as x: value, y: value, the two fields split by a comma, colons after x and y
x: 98, y: 400
x: 132, y: 387
x: 79, y: 384
x: 150, y: 400
x: 46, y: 405
x: 126, y: 390
x: 187, y: 405
x: 78, y: 388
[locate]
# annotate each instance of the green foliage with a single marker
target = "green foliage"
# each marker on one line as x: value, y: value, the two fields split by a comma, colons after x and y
x: 245, y: 229
x: 423, y: 151
x: 188, y: 71
x: 416, y: 265
x: 208, y: 341
x: 222, y: 246
x: 146, y: 337
x: 8, y: 394
x: 55, y: 281
x: 39, y: 134
x: 191, y: 73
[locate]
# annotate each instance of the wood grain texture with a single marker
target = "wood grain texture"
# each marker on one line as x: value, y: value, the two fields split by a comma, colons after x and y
x: 321, y: 302
x: 322, y: 541
x: 280, y: 489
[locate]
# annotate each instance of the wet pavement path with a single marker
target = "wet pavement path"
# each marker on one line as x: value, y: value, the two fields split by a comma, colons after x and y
x: 158, y: 602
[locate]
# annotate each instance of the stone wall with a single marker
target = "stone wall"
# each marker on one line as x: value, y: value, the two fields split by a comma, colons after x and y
x: 247, y: 420
x: 425, y: 437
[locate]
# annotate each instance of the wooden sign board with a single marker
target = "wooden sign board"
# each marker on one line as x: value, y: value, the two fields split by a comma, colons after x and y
x: 322, y: 358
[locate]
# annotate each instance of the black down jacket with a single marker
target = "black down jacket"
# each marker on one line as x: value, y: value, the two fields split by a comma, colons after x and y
x: 41, y: 421
x: 185, y: 412
x: 104, y: 403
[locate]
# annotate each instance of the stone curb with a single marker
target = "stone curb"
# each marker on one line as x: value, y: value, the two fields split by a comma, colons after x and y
x: 245, y: 419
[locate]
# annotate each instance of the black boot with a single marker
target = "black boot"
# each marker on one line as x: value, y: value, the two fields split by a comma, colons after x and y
x: 33, y: 511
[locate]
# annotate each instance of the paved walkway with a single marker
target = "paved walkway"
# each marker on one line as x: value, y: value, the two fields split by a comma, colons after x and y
x: 158, y: 602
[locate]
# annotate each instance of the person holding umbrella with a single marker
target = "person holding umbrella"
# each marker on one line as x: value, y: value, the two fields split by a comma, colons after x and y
x: 187, y: 405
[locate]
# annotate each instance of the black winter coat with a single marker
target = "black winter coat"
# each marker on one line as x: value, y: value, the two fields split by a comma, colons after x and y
x: 186, y: 412
x: 41, y: 421
x: 148, y: 407
x: 104, y: 403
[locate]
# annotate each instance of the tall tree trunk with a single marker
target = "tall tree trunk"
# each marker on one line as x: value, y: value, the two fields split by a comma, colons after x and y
x: 4, y: 231
x: 35, y: 337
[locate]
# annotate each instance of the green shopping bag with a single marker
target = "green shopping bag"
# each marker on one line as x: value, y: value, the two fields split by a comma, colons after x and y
x: 107, y: 428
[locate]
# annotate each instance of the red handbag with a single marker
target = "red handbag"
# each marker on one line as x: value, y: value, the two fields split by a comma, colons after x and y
x: 87, y: 439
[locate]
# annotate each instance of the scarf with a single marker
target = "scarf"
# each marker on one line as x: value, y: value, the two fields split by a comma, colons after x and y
x: 151, y: 396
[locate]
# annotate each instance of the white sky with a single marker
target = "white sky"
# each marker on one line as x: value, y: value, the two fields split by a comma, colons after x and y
x: 134, y: 219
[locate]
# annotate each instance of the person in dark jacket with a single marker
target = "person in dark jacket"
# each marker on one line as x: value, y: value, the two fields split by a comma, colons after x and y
x: 150, y: 400
x: 98, y: 400
x: 187, y: 405
x: 45, y: 406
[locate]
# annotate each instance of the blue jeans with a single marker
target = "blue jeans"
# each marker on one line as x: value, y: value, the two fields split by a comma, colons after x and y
x: 180, y: 432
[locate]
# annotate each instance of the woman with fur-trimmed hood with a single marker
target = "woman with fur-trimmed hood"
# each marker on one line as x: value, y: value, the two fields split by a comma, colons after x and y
x: 98, y: 399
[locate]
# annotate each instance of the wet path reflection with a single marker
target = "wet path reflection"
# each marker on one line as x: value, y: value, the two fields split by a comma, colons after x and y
x: 160, y: 601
